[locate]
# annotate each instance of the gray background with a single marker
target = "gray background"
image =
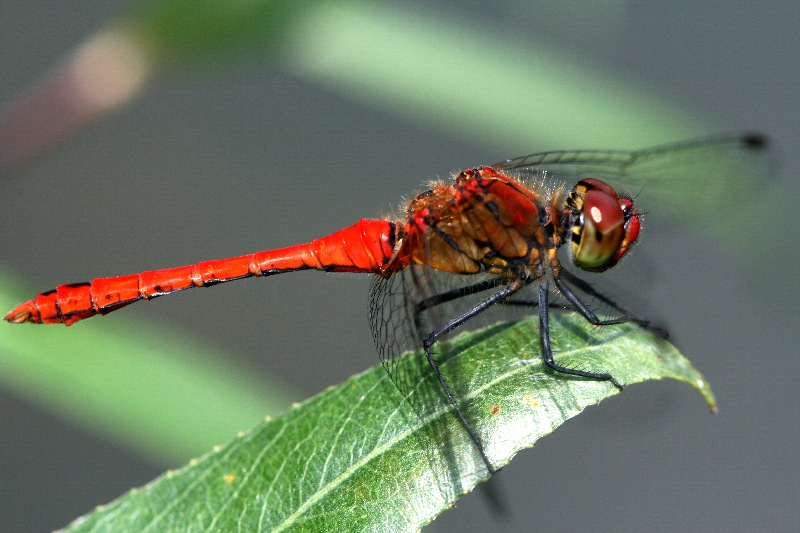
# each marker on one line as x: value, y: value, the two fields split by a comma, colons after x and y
x: 202, y: 167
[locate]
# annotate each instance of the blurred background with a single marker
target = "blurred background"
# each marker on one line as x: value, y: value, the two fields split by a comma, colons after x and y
x: 139, y: 135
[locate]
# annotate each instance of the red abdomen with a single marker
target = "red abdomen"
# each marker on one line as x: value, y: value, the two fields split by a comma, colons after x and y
x: 364, y: 247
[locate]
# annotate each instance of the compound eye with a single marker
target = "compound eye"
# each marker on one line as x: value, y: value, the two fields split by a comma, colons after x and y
x: 607, y: 226
x: 631, y: 227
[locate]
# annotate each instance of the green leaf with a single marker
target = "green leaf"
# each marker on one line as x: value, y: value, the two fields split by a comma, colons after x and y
x: 358, y: 457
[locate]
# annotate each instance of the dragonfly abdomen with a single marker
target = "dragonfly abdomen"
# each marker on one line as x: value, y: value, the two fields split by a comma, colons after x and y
x: 363, y: 247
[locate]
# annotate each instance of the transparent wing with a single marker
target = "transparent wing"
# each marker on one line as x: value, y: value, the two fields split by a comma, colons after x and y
x: 411, y: 304
x: 391, y: 316
x: 688, y: 177
x: 397, y: 329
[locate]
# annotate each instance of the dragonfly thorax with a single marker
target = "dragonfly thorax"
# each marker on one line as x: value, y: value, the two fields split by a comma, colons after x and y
x: 484, y: 221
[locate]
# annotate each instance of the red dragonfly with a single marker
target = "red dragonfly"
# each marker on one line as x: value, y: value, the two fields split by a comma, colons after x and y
x: 492, y: 232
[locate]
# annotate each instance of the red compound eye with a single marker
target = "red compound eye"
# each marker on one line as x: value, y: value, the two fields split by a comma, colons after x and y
x: 605, y: 229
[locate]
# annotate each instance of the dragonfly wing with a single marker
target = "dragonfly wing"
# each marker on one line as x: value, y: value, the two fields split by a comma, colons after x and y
x: 424, y: 300
x: 391, y: 317
x: 689, y: 177
x: 392, y: 313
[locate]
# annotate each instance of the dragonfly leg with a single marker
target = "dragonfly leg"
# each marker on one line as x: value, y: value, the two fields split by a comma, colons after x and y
x: 577, y: 304
x: 454, y: 294
x: 452, y: 324
x: 544, y: 333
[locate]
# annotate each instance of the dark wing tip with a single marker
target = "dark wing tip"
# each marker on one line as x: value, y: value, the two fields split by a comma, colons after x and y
x: 755, y: 141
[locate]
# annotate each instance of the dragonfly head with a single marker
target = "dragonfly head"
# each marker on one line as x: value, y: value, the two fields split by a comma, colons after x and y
x: 604, y: 225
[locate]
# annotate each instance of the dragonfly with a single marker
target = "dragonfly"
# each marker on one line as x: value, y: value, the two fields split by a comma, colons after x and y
x: 492, y: 233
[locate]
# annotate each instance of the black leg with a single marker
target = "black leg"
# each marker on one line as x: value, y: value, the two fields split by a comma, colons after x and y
x: 566, y: 275
x: 452, y: 324
x: 454, y: 294
x: 581, y: 307
x: 544, y: 333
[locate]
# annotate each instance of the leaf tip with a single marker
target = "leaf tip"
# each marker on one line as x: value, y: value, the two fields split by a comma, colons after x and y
x: 705, y: 389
